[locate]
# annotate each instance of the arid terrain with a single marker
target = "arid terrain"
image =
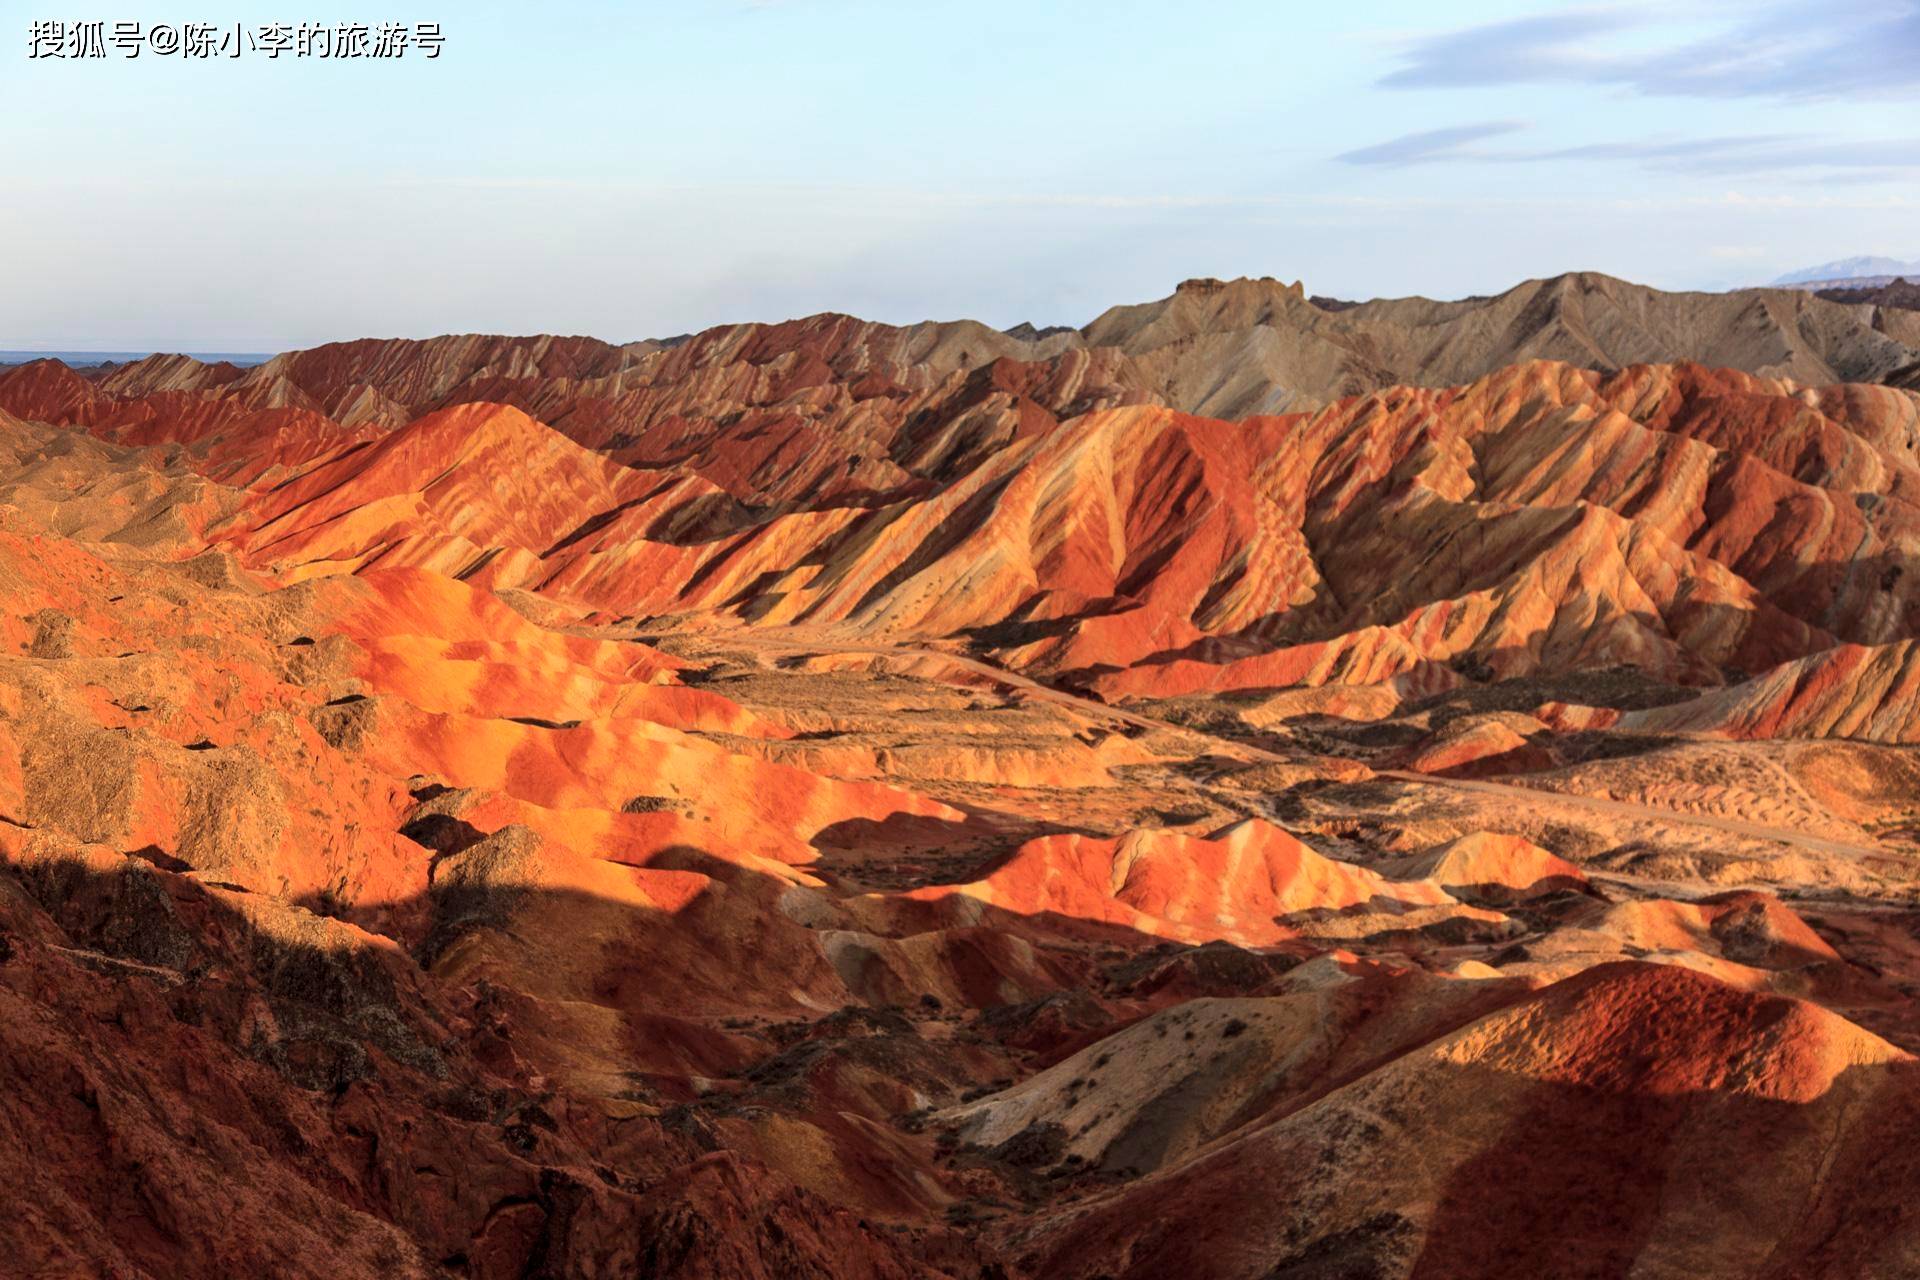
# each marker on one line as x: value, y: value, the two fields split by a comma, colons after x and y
x: 1258, y: 788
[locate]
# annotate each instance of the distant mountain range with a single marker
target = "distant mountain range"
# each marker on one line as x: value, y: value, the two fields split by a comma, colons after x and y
x: 1899, y: 293
x: 95, y: 359
x: 1225, y: 349
x: 1851, y: 269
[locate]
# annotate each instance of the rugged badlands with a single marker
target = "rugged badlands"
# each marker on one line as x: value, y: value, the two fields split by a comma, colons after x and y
x: 1258, y: 788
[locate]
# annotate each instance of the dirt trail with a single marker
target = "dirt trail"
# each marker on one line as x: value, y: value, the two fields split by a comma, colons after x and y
x: 1504, y: 791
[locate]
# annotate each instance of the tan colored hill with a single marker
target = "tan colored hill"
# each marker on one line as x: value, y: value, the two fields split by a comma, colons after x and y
x: 1229, y: 349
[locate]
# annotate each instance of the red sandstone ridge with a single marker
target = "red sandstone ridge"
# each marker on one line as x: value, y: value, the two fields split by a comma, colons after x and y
x: 834, y: 800
x: 1543, y: 519
x: 1533, y: 1121
x: 1868, y: 692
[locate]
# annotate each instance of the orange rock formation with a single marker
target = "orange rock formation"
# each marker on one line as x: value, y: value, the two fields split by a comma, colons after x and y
x: 825, y: 799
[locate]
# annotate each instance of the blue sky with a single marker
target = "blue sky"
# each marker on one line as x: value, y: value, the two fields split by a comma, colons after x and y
x: 636, y: 169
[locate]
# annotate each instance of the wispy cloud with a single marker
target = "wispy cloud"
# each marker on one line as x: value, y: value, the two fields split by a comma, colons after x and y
x: 1730, y: 154
x: 1431, y: 145
x: 1514, y: 52
x: 1803, y: 49
x: 1860, y: 159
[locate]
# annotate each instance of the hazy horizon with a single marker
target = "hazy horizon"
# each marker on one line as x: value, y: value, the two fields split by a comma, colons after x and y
x: 256, y: 355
